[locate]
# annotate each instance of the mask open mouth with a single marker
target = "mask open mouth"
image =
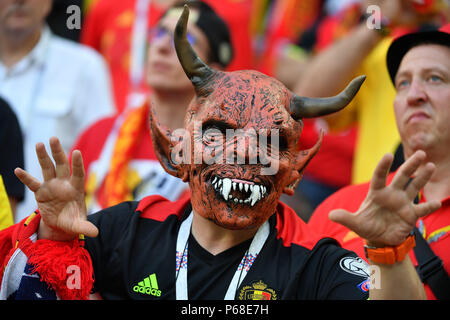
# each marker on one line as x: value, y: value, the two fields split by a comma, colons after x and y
x: 238, y: 190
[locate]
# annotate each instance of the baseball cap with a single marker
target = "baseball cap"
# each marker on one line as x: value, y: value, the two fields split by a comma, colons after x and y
x: 400, y: 46
x: 214, y: 28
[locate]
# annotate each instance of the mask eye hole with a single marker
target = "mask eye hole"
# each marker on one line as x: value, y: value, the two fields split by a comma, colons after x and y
x: 283, y: 144
x: 212, y: 135
x: 277, y: 142
x: 216, y: 126
x: 214, y: 132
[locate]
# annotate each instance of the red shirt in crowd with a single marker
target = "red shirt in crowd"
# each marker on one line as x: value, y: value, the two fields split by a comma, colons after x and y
x: 435, y: 226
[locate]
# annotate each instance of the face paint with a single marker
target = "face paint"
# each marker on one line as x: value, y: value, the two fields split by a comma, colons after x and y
x: 239, y: 149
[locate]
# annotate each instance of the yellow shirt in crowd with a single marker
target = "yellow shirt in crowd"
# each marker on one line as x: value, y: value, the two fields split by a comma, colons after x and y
x: 6, y: 216
x: 373, y: 110
x: 377, y: 131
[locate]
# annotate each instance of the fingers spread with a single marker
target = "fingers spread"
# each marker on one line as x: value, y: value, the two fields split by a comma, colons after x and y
x: 78, y: 173
x: 27, y: 179
x: 47, y: 166
x: 85, y: 227
x: 346, y: 218
x: 407, y: 169
x: 61, y: 161
x: 425, y: 208
x: 419, y: 181
x: 381, y: 172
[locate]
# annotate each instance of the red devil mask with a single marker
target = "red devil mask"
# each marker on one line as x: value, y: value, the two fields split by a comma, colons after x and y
x: 239, y: 149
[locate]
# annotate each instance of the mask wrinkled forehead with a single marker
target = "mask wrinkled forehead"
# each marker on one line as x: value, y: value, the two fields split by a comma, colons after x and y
x: 247, y: 97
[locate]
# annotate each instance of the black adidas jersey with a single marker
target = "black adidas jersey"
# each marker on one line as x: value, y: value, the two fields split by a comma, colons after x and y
x: 134, y: 258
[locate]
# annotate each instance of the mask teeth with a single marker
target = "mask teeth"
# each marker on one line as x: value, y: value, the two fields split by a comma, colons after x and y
x: 225, y: 185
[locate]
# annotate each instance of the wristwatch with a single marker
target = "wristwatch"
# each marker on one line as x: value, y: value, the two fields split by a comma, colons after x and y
x: 390, y: 254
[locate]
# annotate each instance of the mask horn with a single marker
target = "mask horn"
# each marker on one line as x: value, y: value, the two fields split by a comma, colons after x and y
x: 196, y: 70
x: 302, y: 107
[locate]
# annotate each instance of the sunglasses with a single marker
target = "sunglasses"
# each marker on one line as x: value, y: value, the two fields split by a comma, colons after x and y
x: 159, y: 32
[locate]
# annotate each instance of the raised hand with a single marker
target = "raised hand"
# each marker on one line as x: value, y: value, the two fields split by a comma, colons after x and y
x: 388, y: 213
x: 60, y: 197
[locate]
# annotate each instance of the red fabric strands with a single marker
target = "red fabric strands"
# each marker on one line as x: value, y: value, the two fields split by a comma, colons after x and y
x: 65, y: 266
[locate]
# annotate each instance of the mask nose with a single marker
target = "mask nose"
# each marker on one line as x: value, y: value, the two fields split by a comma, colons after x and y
x: 242, y: 147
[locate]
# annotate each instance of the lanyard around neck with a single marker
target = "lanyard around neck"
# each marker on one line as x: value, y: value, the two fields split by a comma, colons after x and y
x: 244, y: 266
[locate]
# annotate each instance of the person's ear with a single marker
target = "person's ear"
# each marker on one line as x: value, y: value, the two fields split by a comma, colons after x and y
x: 170, y: 147
x: 302, y: 158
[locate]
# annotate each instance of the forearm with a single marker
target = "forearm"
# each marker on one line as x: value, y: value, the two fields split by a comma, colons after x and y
x: 399, y: 281
x: 331, y: 77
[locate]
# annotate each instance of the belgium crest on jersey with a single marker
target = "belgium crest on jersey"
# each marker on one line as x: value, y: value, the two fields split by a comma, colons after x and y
x: 257, y: 291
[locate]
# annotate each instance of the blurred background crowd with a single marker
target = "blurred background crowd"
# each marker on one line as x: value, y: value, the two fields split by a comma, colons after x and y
x: 90, y: 86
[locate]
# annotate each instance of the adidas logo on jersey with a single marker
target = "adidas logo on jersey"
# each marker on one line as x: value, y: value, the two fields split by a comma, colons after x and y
x: 148, y: 286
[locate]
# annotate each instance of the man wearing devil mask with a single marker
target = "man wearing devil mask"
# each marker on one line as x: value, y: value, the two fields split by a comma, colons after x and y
x: 232, y: 239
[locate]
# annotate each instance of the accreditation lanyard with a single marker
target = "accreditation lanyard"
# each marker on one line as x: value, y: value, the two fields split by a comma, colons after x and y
x: 244, y: 266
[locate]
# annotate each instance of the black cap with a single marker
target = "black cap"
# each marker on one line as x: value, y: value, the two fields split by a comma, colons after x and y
x: 215, y: 30
x: 402, y: 45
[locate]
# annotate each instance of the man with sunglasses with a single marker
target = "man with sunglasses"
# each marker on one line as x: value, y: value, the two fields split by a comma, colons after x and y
x: 118, y: 152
